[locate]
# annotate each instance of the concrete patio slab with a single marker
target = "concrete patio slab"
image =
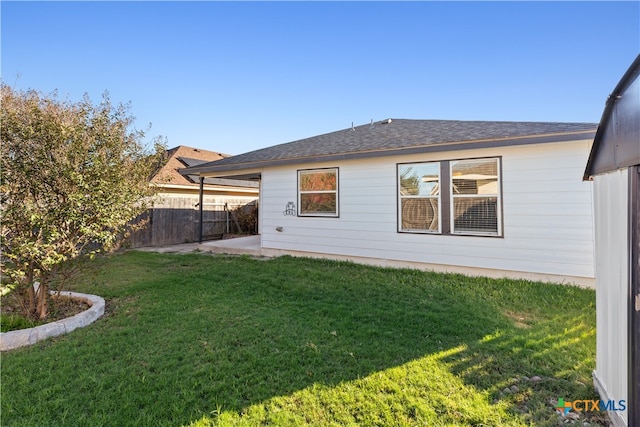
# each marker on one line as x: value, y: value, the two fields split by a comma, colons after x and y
x: 249, y: 245
x: 179, y: 248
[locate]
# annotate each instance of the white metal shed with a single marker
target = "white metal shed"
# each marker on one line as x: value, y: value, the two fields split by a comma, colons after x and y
x: 614, y: 167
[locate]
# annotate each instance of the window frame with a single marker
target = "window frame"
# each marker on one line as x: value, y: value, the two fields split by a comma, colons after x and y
x: 400, y: 198
x: 336, y: 192
x: 446, y: 211
x: 497, y: 195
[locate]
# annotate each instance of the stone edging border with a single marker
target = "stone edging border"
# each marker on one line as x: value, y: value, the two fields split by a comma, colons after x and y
x: 24, y: 337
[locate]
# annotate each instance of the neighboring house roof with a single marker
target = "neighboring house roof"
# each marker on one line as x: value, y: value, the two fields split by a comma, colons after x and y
x: 401, y: 136
x: 182, y: 157
x: 169, y: 173
x: 616, y: 144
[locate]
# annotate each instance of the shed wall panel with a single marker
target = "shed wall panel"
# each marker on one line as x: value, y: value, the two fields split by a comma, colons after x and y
x: 612, y: 278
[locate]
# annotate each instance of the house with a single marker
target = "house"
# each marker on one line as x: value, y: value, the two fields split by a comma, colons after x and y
x: 171, y: 182
x: 614, y: 168
x: 175, y: 215
x: 501, y: 199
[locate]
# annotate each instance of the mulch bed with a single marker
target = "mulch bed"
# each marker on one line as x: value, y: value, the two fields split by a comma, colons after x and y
x: 59, y: 307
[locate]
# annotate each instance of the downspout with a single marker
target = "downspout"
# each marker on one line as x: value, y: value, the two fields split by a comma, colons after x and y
x: 200, y: 205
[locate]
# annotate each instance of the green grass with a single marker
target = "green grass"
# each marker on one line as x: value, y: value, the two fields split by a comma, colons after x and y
x: 12, y: 322
x: 217, y: 340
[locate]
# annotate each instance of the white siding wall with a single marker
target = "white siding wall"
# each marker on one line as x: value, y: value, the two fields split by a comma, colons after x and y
x: 612, y: 278
x: 548, y: 225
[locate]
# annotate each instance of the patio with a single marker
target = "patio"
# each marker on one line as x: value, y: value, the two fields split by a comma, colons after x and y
x: 249, y: 245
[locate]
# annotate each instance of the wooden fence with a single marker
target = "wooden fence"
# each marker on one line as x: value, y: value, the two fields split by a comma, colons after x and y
x: 175, y: 220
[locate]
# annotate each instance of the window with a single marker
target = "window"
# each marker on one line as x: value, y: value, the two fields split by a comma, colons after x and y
x: 460, y: 197
x: 475, y: 195
x: 318, y: 192
x: 419, y: 197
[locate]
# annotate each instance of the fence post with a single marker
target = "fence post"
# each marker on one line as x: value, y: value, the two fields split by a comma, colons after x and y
x: 226, y: 211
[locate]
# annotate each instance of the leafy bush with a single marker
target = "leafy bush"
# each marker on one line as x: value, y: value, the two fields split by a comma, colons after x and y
x: 74, y: 174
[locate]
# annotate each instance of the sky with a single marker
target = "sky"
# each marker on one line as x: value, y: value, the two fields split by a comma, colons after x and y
x: 233, y: 77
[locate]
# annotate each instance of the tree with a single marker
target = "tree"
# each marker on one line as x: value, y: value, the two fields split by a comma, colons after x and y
x: 73, y: 176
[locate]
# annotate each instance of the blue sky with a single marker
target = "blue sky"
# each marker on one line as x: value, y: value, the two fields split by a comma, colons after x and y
x: 238, y: 76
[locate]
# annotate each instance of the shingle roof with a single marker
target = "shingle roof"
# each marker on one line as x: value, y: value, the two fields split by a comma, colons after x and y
x: 169, y: 173
x: 397, y: 136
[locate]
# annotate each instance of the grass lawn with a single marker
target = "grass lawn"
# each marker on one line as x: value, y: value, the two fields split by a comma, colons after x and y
x: 201, y: 340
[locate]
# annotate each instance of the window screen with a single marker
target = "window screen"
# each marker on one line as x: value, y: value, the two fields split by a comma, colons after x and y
x: 475, y: 194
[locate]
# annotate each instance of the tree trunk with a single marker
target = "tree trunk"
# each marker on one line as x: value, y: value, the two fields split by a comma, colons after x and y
x: 31, y: 301
x: 42, y: 299
x: 30, y: 305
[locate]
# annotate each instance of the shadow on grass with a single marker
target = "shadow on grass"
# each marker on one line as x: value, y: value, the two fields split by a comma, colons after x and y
x: 206, y: 335
x: 531, y: 366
